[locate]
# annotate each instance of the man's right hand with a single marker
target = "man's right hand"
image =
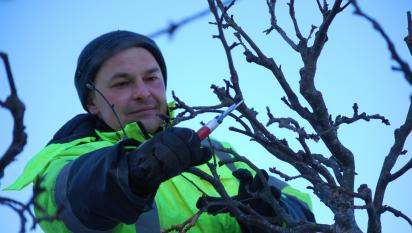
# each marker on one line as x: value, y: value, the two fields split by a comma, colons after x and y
x: 164, y: 156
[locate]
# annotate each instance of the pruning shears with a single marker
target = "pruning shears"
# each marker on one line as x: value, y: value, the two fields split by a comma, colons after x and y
x: 208, y: 128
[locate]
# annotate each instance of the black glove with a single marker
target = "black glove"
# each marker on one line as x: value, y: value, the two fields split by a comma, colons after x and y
x: 164, y: 156
x: 248, y: 185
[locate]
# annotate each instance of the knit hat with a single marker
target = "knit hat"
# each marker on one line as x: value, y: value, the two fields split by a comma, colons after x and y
x: 102, y: 48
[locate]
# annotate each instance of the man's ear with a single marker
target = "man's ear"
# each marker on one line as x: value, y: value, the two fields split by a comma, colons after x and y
x: 91, y: 105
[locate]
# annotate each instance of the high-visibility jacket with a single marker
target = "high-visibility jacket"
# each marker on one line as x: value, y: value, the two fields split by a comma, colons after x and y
x: 84, y: 172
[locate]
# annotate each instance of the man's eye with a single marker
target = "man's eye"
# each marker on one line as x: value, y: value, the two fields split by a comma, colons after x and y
x: 151, y: 78
x: 120, y: 84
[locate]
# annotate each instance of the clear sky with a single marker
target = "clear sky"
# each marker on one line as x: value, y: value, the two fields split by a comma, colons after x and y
x: 43, y: 39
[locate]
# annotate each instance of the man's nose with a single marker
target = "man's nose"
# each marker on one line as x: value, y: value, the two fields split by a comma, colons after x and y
x: 140, y: 91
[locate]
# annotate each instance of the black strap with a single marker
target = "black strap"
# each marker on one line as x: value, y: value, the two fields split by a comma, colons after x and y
x: 148, y: 222
x: 67, y: 215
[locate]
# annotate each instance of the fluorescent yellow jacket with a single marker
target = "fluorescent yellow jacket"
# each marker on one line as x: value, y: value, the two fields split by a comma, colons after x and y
x: 84, y: 168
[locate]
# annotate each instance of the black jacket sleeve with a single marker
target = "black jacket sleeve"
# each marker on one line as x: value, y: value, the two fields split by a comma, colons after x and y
x: 296, y: 208
x: 95, y: 193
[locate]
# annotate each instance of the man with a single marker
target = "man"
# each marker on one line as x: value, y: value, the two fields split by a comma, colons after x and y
x: 117, y: 168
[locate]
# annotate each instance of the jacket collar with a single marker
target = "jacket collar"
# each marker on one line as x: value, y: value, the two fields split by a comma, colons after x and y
x: 87, y: 125
x: 133, y: 131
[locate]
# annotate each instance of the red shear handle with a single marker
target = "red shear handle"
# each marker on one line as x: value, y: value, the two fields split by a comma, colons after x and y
x: 203, y: 132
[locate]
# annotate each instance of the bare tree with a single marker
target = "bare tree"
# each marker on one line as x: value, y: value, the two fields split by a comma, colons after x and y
x: 332, y: 177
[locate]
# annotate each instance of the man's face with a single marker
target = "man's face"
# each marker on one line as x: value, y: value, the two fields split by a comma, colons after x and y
x: 132, y: 81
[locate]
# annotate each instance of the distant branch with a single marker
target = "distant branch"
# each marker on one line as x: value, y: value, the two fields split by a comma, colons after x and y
x: 16, y: 108
x: 403, y: 66
x: 408, y: 38
x: 173, y: 27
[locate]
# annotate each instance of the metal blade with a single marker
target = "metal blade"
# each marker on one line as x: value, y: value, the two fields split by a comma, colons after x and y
x: 228, y: 111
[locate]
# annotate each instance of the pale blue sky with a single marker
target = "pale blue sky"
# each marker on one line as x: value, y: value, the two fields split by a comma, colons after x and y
x: 43, y: 39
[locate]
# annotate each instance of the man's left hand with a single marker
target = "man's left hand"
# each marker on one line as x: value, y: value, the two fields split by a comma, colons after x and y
x: 248, y: 193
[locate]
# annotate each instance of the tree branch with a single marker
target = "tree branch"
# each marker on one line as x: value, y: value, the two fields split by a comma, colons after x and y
x: 401, y: 171
x: 397, y: 213
x: 295, y: 23
x: 273, y: 25
x: 390, y: 160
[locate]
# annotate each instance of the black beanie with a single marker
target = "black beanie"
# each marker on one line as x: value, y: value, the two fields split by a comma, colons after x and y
x: 102, y: 48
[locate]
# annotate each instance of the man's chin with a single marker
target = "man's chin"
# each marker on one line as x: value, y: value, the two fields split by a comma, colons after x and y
x: 150, y: 125
x: 150, y: 121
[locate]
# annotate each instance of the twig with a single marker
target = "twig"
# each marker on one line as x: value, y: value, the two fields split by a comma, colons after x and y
x: 283, y: 175
x: 290, y: 124
x: 356, y: 116
x: 186, y: 225
x: 396, y: 212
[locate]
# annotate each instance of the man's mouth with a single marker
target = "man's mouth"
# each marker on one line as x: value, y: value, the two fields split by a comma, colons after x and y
x: 143, y: 110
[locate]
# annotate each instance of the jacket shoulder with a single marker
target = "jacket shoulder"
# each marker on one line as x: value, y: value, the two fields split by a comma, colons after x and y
x: 80, y: 126
x: 39, y: 163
